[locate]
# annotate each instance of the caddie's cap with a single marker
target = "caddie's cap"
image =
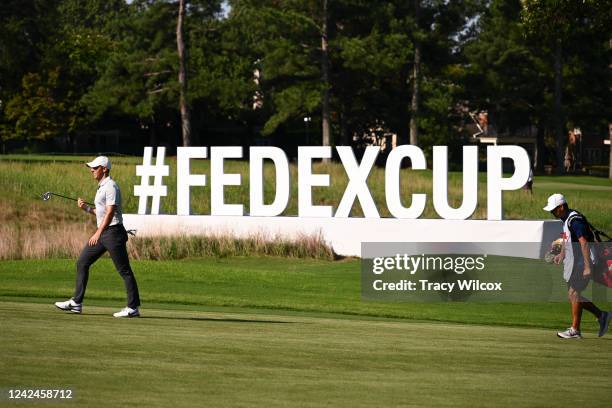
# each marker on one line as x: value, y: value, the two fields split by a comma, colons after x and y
x: 554, y: 201
x: 100, y: 161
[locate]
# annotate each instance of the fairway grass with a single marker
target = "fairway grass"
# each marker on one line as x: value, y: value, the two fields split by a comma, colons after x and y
x: 276, y: 332
x: 195, y: 358
x: 279, y: 284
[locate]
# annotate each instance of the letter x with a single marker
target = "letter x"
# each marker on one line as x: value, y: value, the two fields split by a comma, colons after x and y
x: 357, y: 187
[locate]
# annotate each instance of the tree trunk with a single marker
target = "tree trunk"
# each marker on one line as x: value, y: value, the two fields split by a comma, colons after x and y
x: 416, y: 77
x: 72, y: 142
x: 558, y: 109
x: 541, y: 149
x: 610, y: 163
x: 344, y: 133
x: 182, y: 78
x: 153, y: 133
x: 325, y: 78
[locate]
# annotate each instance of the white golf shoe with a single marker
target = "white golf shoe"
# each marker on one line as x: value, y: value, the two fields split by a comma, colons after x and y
x: 570, y: 333
x: 69, y: 306
x: 127, y: 312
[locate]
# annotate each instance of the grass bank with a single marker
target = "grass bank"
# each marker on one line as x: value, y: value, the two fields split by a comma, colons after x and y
x: 24, y: 181
x: 32, y: 228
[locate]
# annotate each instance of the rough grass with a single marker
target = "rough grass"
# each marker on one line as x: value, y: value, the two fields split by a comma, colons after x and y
x: 24, y: 181
x: 29, y: 224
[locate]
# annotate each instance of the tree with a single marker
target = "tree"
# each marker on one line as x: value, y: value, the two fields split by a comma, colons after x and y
x: 180, y: 45
x: 506, y: 74
x: 560, y: 28
x: 25, y: 25
x: 222, y: 62
x: 143, y: 78
x: 370, y: 50
x: 291, y: 40
x: 325, y: 113
x: 138, y: 79
x: 38, y: 111
x: 401, y: 60
x: 416, y: 78
x: 68, y: 40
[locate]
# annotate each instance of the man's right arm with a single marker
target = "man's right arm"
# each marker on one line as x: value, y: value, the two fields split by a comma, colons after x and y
x: 561, y: 255
x: 85, y: 207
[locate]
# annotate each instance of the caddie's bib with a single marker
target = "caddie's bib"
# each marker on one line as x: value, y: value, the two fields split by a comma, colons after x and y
x: 570, y: 261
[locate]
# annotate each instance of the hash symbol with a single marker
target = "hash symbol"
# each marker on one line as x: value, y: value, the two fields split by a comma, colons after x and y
x: 144, y: 190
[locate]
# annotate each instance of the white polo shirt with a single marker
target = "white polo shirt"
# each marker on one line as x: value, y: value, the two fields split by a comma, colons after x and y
x: 108, y: 194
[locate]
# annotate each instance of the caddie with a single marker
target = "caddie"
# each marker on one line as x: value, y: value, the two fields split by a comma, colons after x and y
x: 578, y: 257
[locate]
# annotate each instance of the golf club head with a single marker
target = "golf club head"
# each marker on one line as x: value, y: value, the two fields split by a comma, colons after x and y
x: 46, y: 196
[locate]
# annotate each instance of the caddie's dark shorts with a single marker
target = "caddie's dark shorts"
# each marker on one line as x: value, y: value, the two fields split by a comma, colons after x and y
x: 578, y: 281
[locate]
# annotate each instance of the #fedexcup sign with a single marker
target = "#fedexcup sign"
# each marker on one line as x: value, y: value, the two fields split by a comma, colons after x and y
x: 356, y: 189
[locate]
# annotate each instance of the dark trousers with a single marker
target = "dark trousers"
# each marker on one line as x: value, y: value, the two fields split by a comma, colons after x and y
x: 113, y: 240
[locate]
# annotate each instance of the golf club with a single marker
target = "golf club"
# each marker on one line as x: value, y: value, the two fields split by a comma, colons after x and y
x: 46, y: 196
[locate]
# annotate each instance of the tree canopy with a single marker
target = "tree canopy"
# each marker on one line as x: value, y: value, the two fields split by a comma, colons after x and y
x: 257, y: 70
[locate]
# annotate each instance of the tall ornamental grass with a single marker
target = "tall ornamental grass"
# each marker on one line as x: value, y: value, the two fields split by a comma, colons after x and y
x: 67, y: 241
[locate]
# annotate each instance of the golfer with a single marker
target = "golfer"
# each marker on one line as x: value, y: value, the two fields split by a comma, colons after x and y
x: 578, y: 258
x: 110, y: 236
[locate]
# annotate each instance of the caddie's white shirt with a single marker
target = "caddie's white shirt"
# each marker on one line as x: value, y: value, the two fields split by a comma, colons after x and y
x: 108, y: 194
x: 568, y: 261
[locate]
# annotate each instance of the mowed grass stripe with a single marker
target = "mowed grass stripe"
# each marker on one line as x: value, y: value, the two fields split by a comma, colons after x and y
x: 216, y: 359
x: 311, y: 286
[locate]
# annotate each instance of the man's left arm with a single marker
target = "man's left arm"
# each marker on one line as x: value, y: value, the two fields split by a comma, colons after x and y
x: 586, y: 256
x: 110, y: 212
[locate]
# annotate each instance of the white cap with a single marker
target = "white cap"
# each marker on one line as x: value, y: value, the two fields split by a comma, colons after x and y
x: 100, y: 161
x: 554, y: 201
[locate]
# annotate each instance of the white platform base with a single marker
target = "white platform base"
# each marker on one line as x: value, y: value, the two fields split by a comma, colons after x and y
x: 345, y: 235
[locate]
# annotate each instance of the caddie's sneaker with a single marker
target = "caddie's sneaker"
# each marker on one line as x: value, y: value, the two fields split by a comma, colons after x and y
x: 604, y: 322
x: 570, y: 333
x: 127, y: 312
x: 69, y: 306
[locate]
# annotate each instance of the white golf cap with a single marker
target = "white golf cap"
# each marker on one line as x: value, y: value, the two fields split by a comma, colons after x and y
x: 100, y: 161
x: 554, y: 201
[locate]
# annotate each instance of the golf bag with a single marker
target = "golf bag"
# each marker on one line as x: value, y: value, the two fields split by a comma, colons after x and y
x: 602, y: 271
x: 603, y: 268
